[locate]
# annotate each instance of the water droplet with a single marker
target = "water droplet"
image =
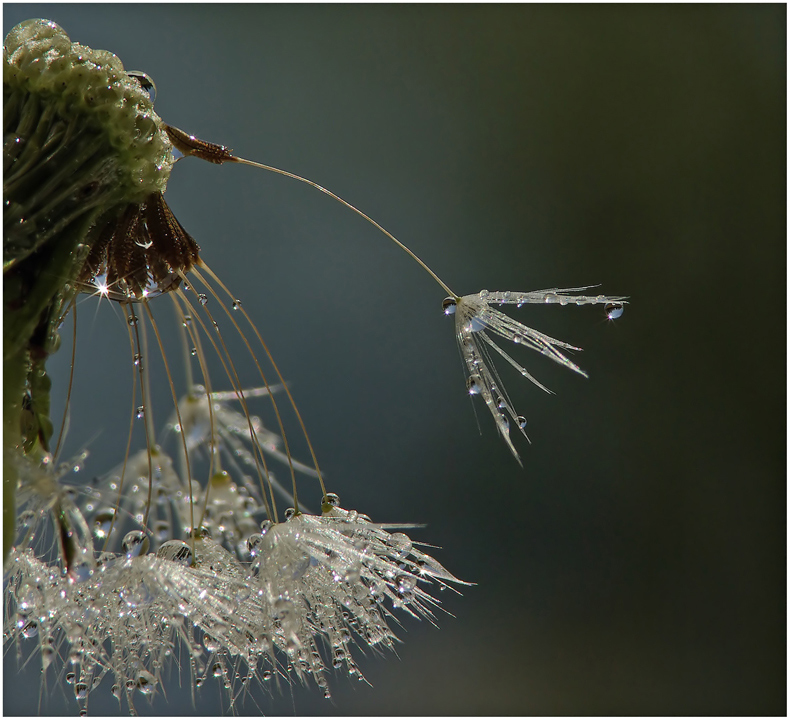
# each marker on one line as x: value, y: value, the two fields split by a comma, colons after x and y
x: 216, y: 671
x: 187, y: 320
x: 550, y: 297
x: 266, y: 675
x: 161, y: 530
x: 132, y: 320
x: 501, y: 404
x: 70, y: 678
x: 146, y: 682
x: 614, y: 310
x: 202, y: 531
x: 193, y: 351
x: 473, y: 384
x: 400, y: 544
x: 80, y: 691
x: 406, y: 583
x: 522, y: 421
x: 484, y: 294
x: 176, y: 551
x: 140, y: 411
x: 28, y: 597
x: 332, y: 499
x: 282, y: 608
x: 353, y: 573
x: 448, y: 305
x: 116, y: 690
x: 236, y: 304
x: 137, y: 359
x: 31, y: 629
x: 289, y: 513
x: 253, y: 544
x: 84, y: 712
x: 135, y: 543
x: 102, y: 522
x: 202, y: 299
x: 265, y: 526
x: 211, y: 644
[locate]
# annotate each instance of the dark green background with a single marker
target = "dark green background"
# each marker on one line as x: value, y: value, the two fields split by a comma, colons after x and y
x: 637, y: 564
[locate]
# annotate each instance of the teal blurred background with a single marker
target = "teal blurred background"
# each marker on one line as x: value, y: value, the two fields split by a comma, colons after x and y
x: 636, y: 565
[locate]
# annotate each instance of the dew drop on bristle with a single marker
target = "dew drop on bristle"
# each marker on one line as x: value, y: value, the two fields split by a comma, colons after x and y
x: 202, y: 299
x: 137, y: 359
x: 332, y: 499
x: 187, y: 320
x: 211, y: 644
x: 47, y: 656
x: 102, y: 522
x: 146, y: 682
x: 176, y: 551
x: 253, y: 544
x: 132, y: 320
x: 522, y: 421
x: 473, y: 384
x: 400, y: 544
x: 140, y: 411
x: 448, y: 306
x: 161, y: 530
x: 193, y: 351
x: 475, y: 325
x: 236, y: 304
x: 135, y: 543
x: 80, y: 691
x: 613, y: 310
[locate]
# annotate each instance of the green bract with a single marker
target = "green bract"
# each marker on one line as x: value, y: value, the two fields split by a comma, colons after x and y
x: 91, y: 85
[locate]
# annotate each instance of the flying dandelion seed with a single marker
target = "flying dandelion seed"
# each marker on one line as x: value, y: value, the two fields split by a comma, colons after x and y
x: 199, y: 548
x: 475, y: 318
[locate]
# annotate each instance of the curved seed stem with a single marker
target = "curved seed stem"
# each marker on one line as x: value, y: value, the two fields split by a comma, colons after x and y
x: 322, y: 189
